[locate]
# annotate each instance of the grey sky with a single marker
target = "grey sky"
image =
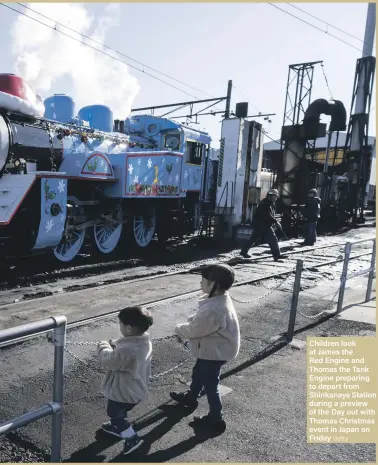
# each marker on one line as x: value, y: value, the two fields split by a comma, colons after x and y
x: 204, y: 45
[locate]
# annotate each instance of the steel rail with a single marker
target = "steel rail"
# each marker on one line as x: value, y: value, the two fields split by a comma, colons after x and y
x: 232, y: 262
x: 86, y: 321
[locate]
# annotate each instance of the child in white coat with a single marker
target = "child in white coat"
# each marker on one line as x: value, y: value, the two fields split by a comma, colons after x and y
x: 128, y: 361
x: 214, y: 335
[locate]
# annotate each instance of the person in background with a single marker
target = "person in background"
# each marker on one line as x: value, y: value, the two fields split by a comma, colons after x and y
x: 263, y: 222
x: 311, y: 212
x: 128, y: 361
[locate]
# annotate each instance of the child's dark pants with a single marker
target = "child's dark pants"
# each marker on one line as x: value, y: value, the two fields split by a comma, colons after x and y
x: 206, y: 374
x: 117, y: 411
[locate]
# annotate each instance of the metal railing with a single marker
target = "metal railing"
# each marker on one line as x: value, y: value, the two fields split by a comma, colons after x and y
x: 54, y: 408
x: 294, y: 300
x: 344, y: 275
x: 341, y: 289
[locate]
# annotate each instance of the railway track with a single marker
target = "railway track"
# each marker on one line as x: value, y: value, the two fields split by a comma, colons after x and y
x: 44, y: 269
x: 16, y: 294
x: 144, y: 273
x: 290, y: 269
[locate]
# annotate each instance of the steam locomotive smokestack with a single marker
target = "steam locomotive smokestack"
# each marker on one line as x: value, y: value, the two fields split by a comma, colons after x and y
x: 122, y: 126
x: 116, y: 125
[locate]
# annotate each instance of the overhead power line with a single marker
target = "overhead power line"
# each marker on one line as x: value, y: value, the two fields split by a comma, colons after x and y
x: 325, y: 22
x: 326, y: 81
x: 113, y: 50
x: 315, y: 27
x: 99, y: 51
x: 277, y: 141
x: 244, y: 96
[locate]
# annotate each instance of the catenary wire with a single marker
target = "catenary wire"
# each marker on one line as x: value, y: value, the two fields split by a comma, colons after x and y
x: 115, y: 51
x: 315, y: 27
x: 100, y: 51
x: 123, y: 54
x: 326, y: 81
x: 244, y: 96
x: 328, y: 24
x: 111, y: 49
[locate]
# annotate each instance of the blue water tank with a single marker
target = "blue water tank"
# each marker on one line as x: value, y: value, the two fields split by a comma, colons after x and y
x: 60, y: 108
x: 99, y: 117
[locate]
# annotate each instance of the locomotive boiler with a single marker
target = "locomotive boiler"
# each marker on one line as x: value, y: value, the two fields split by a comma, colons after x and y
x: 66, y: 181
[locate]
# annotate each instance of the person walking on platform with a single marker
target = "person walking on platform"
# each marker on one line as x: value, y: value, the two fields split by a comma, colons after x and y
x: 311, y: 211
x: 263, y: 222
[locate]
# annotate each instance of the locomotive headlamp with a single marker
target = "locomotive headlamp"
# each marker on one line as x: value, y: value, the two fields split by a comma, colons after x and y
x: 19, y: 163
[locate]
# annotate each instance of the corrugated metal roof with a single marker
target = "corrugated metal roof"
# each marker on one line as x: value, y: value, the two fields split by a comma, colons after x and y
x: 321, y: 143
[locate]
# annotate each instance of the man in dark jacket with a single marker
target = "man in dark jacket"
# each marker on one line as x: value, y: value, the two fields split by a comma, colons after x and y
x: 311, y: 212
x: 262, y: 223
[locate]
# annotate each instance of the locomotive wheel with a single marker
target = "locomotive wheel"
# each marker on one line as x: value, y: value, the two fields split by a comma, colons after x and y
x: 106, y: 235
x: 71, y: 244
x: 144, y: 228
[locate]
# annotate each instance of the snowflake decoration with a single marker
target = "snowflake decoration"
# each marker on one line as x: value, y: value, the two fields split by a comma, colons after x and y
x: 102, y: 163
x: 136, y: 179
x: 131, y: 169
x: 163, y: 160
x: 61, y: 186
x: 177, y: 160
x: 139, y: 161
x: 149, y: 163
x: 185, y: 174
x: 176, y: 177
x: 145, y: 179
x: 105, y: 168
x: 49, y: 226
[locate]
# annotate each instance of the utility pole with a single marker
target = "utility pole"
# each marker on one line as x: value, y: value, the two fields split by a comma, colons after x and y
x: 360, y: 107
x: 369, y: 31
x: 357, y: 135
x: 228, y: 100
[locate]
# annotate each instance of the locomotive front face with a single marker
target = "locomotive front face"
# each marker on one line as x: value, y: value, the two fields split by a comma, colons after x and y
x: 4, y: 143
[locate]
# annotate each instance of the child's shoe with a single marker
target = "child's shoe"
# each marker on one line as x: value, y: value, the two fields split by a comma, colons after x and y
x: 207, y: 421
x: 131, y: 444
x: 183, y: 398
x: 111, y: 429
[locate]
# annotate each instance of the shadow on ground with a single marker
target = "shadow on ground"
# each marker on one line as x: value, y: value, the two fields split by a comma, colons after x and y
x: 171, y: 415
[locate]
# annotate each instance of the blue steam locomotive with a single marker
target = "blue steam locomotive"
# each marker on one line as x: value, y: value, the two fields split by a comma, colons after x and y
x: 66, y: 180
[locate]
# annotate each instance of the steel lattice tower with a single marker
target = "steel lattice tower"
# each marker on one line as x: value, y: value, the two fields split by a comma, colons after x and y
x: 298, y: 96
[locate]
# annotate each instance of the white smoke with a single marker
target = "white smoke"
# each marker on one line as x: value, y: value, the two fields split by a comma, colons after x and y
x: 44, y: 55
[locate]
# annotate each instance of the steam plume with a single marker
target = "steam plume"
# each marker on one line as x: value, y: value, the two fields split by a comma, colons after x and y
x: 42, y: 56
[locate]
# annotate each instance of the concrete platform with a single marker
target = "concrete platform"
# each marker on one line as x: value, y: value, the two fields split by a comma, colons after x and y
x: 364, y: 313
x: 97, y: 301
x: 263, y: 391
x: 354, y: 306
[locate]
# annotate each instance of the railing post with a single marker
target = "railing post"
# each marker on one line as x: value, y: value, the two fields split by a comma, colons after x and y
x: 294, y: 300
x: 344, y: 274
x: 59, y: 343
x: 371, y: 274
